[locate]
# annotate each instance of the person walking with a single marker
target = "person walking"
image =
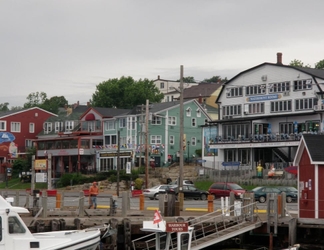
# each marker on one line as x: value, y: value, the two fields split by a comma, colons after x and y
x: 93, y: 193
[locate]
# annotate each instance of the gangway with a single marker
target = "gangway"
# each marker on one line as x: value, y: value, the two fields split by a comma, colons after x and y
x: 203, y: 231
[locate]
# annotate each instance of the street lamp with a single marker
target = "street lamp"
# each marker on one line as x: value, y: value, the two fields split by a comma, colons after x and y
x: 188, y: 143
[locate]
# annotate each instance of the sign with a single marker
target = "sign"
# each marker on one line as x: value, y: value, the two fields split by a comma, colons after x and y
x: 128, y: 167
x: 176, y: 227
x: 41, y: 177
x: 201, y: 161
x: 114, y: 154
x: 81, y: 151
x: 231, y: 164
x: 41, y: 164
x: 263, y: 98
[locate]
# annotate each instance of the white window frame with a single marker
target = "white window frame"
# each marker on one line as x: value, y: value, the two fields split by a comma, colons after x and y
x: 3, y: 125
x: 110, y: 125
x: 156, y: 120
x: 156, y: 139
x: 69, y: 125
x: 193, y: 141
x: 161, y: 85
x: 171, y: 139
x: 122, y: 122
x: 28, y: 143
x: 198, y: 112
x: 57, y: 126
x: 47, y: 127
x: 15, y: 127
x: 188, y: 112
x: 172, y: 120
x: 31, y: 127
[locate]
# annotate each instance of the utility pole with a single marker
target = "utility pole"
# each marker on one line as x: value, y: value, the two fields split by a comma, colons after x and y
x: 181, y: 196
x: 141, y: 135
x: 49, y: 172
x: 118, y: 161
x: 147, y: 161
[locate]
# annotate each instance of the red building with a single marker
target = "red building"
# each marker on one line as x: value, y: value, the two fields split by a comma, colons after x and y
x: 310, y: 161
x: 17, y: 131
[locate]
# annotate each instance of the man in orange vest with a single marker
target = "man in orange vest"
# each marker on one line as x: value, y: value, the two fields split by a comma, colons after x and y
x: 93, y: 193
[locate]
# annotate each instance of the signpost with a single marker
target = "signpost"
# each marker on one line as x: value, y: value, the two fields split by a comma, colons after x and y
x: 176, y: 227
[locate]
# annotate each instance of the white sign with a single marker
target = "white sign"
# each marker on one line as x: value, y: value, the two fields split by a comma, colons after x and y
x: 41, y: 177
x: 81, y: 151
x: 128, y: 167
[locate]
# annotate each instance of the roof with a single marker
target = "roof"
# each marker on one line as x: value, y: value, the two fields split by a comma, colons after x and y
x: 14, y: 112
x: 314, y: 145
x: 318, y: 73
x: 202, y: 89
x: 110, y: 112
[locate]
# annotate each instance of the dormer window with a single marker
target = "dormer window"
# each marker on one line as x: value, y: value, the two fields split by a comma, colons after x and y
x: 198, y: 113
x: 69, y: 125
x: 58, y: 126
x: 188, y: 111
x: 47, y: 127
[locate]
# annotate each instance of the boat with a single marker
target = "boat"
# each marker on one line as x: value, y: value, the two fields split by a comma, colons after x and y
x: 15, y: 235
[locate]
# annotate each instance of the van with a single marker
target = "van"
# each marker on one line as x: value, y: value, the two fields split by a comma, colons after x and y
x: 223, y: 189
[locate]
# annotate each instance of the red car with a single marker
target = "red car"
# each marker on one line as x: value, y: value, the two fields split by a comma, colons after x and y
x: 223, y: 189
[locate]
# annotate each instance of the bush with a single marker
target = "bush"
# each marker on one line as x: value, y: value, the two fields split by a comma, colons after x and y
x: 138, y: 183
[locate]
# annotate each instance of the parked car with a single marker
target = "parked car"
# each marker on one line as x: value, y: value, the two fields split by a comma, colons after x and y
x: 291, y: 193
x: 190, y: 192
x: 223, y: 189
x: 153, y: 192
x: 260, y: 193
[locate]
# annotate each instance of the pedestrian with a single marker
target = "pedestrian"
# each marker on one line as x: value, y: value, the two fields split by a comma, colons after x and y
x: 93, y: 193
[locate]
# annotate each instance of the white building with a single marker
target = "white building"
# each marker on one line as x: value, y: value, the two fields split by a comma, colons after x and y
x: 263, y: 112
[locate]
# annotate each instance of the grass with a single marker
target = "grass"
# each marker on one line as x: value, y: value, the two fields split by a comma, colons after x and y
x: 204, y: 185
x: 15, y: 183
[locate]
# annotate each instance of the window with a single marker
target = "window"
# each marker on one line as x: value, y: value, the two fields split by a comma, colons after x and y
x: 15, y: 127
x: 188, y: 111
x: 279, y: 87
x: 161, y: 85
x: 307, y: 103
x: 193, y: 141
x: 234, y: 92
x: 15, y: 226
x: 131, y: 123
x: 302, y: 84
x: 198, y: 112
x: 28, y: 143
x: 280, y: 106
x: 255, y: 89
x: 58, y: 126
x: 171, y: 139
x: 156, y: 120
x: 69, y: 125
x: 286, y: 128
x: 110, y: 125
x: 231, y: 110
x: 3, y: 126
x: 194, y: 122
x: 156, y: 139
x: 47, y: 127
x: 110, y: 140
x: 122, y: 122
x: 254, y: 108
x: 172, y: 120
x: 31, y: 127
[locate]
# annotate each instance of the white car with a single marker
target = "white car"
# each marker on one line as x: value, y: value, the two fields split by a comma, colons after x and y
x: 184, y: 182
x: 153, y: 192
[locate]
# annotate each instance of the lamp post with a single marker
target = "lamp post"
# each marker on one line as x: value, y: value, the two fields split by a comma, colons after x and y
x: 188, y: 143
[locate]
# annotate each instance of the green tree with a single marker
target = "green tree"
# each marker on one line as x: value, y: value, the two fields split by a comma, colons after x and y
x: 125, y: 93
x: 35, y: 99
x: 188, y: 79
x: 298, y: 63
x: 319, y: 65
x: 4, y: 106
x: 215, y: 79
x: 54, y: 103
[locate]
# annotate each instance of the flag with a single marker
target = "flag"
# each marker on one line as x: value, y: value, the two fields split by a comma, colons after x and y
x: 157, y: 217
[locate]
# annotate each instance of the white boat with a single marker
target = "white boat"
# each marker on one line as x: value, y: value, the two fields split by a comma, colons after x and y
x: 15, y: 235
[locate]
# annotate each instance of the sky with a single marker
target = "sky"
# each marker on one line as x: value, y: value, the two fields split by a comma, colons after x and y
x: 68, y: 47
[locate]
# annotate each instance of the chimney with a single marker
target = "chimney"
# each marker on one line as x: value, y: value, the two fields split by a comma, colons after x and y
x: 279, y: 58
x: 158, y: 77
x: 88, y: 104
x: 200, y: 99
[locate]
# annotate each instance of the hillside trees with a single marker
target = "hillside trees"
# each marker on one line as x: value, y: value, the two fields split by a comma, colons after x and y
x: 125, y: 92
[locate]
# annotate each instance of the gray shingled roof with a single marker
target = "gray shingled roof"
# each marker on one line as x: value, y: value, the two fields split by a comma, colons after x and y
x: 315, y: 146
x: 111, y: 112
x: 155, y: 107
x: 202, y: 89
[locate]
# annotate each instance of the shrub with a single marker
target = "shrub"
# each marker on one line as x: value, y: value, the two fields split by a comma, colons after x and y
x: 138, y: 183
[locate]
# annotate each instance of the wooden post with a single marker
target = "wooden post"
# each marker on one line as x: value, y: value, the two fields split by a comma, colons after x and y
x: 44, y: 204
x: 124, y: 204
x: 141, y: 202
x: 58, y: 200
x: 210, y: 203
x: 17, y: 199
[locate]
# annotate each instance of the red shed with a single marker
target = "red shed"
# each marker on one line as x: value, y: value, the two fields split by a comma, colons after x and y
x: 310, y: 161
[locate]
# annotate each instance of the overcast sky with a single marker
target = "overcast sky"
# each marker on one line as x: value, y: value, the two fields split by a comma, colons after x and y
x: 66, y: 48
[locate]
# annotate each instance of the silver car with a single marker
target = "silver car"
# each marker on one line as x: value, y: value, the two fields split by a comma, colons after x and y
x: 153, y: 192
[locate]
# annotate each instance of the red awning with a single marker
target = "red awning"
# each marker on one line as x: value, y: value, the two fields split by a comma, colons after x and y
x: 90, y: 117
x: 292, y: 170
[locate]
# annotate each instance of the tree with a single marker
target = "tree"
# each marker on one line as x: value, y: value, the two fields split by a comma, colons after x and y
x: 35, y: 99
x: 188, y: 79
x: 298, y: 63
x: 4, y: 106
x: 54, y: 103
x: 125, y: 93
x: 215, y: 79
x: 319, y: 65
